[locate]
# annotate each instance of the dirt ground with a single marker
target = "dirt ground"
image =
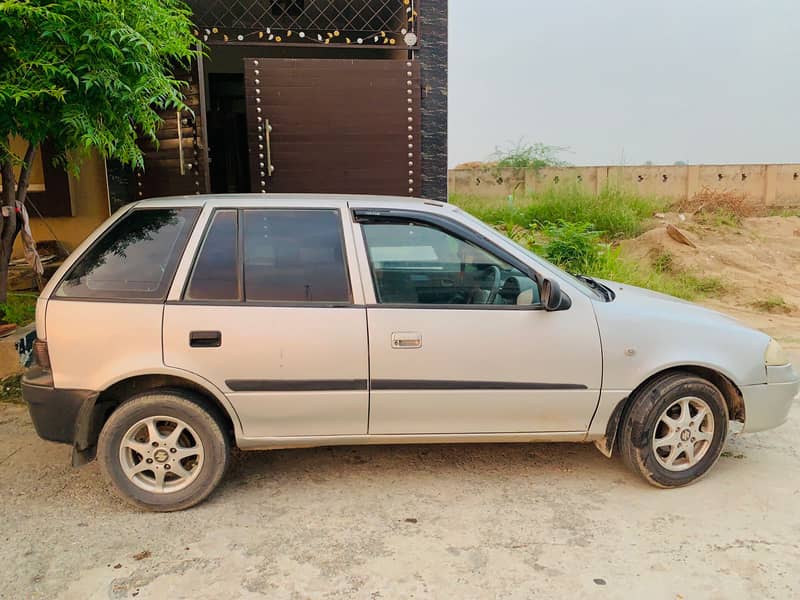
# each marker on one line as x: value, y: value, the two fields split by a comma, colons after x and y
x: 466, y: 521
x: 758, y: 263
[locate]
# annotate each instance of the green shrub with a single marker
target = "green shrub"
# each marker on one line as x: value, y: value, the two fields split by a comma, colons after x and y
x: 573, y: 246
x: 20, y: 308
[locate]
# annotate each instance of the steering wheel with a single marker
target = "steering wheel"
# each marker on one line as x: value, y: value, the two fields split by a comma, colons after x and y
x: 497, y: 281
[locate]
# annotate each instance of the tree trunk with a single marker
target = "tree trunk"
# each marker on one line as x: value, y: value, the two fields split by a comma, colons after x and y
x: 13, y: 192
x: 9, y: 224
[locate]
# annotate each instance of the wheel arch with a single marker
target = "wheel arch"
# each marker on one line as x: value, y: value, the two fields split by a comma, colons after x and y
x: 115, y: 393
x: 727, y: 387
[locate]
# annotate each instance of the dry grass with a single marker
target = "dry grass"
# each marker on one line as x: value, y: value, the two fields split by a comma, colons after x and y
x: 720, y: 207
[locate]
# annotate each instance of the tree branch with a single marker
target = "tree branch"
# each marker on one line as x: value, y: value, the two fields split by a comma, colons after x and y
x: 25, y: 173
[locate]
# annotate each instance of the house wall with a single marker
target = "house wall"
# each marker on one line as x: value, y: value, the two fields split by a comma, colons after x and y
x: 89, y: 199
x: 769, y: 185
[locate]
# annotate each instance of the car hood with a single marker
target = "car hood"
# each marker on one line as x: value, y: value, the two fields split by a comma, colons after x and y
x: 631, y: 296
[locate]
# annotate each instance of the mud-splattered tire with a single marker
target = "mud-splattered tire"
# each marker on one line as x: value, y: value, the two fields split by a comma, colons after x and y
x: 163, y: 450
x: 674, y: 430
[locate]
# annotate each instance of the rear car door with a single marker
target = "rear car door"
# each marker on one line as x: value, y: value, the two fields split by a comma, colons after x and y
x: 268, y: 315
x: 458, y: 340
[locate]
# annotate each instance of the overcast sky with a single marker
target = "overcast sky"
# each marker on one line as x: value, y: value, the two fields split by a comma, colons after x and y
x: 627, y: 81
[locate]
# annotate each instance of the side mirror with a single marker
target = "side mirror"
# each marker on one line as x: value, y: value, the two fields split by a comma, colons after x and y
x: 552, y: 297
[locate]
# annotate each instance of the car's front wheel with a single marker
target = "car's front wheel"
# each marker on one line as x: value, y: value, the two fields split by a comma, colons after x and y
x: 163, y: 450
x: 674, y: 430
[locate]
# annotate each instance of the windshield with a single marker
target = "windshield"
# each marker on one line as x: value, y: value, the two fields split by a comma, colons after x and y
x: 489, y: 231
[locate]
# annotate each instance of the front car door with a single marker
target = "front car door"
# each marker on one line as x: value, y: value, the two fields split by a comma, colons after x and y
x: 459, y: 343
x: 270, y: 317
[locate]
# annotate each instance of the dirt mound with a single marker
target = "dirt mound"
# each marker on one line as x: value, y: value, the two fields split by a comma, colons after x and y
x: 759, y: 263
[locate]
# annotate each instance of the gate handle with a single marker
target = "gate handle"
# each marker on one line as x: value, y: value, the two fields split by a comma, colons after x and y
x: 180, y: 142
x: 270, y: 168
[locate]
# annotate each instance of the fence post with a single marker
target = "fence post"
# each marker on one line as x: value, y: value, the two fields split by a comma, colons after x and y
x: 692, y: 181
x: 770, y: 184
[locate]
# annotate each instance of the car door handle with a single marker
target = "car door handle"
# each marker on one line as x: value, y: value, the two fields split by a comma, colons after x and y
x: 205, y: 339
x: 405, y: 340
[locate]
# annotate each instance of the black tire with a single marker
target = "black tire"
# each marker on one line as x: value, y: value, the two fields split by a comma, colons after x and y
x: 643, y: 417
x: 176, y: 404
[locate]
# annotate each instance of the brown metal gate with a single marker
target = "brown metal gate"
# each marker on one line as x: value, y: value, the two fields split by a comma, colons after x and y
x: 333, y: 126
x: 178, y: 164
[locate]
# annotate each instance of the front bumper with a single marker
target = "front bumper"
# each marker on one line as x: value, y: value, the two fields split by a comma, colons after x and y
x: 767, y: 405
x: 58, y: 415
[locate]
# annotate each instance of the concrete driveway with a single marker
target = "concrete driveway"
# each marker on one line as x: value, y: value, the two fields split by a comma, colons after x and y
x: 470, y: 521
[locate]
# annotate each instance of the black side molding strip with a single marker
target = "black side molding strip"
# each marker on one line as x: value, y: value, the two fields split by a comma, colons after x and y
x: 339, y: 385
x: 423, y: 384
x: 296, y: 385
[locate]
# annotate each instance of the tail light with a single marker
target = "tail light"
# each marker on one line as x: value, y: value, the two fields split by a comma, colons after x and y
x: 40, y: 354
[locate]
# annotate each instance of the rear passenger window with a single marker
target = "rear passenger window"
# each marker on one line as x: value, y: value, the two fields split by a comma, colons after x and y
x: 135, y: 259
x: 294, y: 256
x: 215, y: 275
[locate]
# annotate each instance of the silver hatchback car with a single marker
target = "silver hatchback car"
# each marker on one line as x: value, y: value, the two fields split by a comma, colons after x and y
x: 185, y: 326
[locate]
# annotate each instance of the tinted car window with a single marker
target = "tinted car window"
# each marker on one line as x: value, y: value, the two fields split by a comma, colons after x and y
x: 417, y: 264
x: 294, y: 256
x: 215, y: 275
x: 135, y: 259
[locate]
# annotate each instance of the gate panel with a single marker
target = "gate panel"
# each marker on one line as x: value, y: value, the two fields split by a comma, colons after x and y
x: 333, y: 126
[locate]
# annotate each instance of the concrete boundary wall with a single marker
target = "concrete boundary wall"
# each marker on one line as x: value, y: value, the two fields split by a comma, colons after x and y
x: 773, y: 185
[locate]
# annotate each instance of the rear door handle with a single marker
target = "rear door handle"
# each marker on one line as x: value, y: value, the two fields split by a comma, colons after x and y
x: 406, y: 340
x: 205, y: 339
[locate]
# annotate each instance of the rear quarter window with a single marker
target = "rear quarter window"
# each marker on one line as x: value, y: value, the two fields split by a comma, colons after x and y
x: 135, y: 259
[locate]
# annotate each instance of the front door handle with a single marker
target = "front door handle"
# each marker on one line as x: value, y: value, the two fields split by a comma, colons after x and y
x: 205, y: 339
x: 406, y: 340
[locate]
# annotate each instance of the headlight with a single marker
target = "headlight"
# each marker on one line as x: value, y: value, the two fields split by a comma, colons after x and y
x: 775, y: 355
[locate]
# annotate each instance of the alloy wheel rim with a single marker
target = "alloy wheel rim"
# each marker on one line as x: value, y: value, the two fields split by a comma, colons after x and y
x: 683, y: 434
x: 161, y: 454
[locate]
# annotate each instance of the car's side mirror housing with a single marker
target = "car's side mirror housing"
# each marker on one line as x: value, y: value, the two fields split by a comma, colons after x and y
x: 553, y: 298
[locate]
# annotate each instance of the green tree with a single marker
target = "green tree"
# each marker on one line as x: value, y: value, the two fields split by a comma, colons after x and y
x: 86, y: 75
x: 523, y: 155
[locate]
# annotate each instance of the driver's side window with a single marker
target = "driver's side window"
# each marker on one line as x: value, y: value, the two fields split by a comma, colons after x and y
x: 414, y: 263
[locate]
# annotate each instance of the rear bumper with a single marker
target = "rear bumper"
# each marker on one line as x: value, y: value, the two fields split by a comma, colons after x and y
x: 58, y: 415
x: 767, y: 405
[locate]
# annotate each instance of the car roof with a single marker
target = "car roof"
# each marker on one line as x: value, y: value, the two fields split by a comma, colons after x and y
x: 290, y: 200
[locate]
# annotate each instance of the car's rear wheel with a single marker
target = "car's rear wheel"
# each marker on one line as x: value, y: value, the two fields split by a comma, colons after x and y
x: 163, y: 450
x: 674, y: 430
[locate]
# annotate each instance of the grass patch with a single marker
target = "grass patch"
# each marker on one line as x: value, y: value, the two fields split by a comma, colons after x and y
x: 784, y: 212
x: 664, y: 262
x: 10, y: 389
x: 20, y: 308
x: 721, y: 217
x: 680, y: 284
x: 773, y: 304
x: 614, y: 213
